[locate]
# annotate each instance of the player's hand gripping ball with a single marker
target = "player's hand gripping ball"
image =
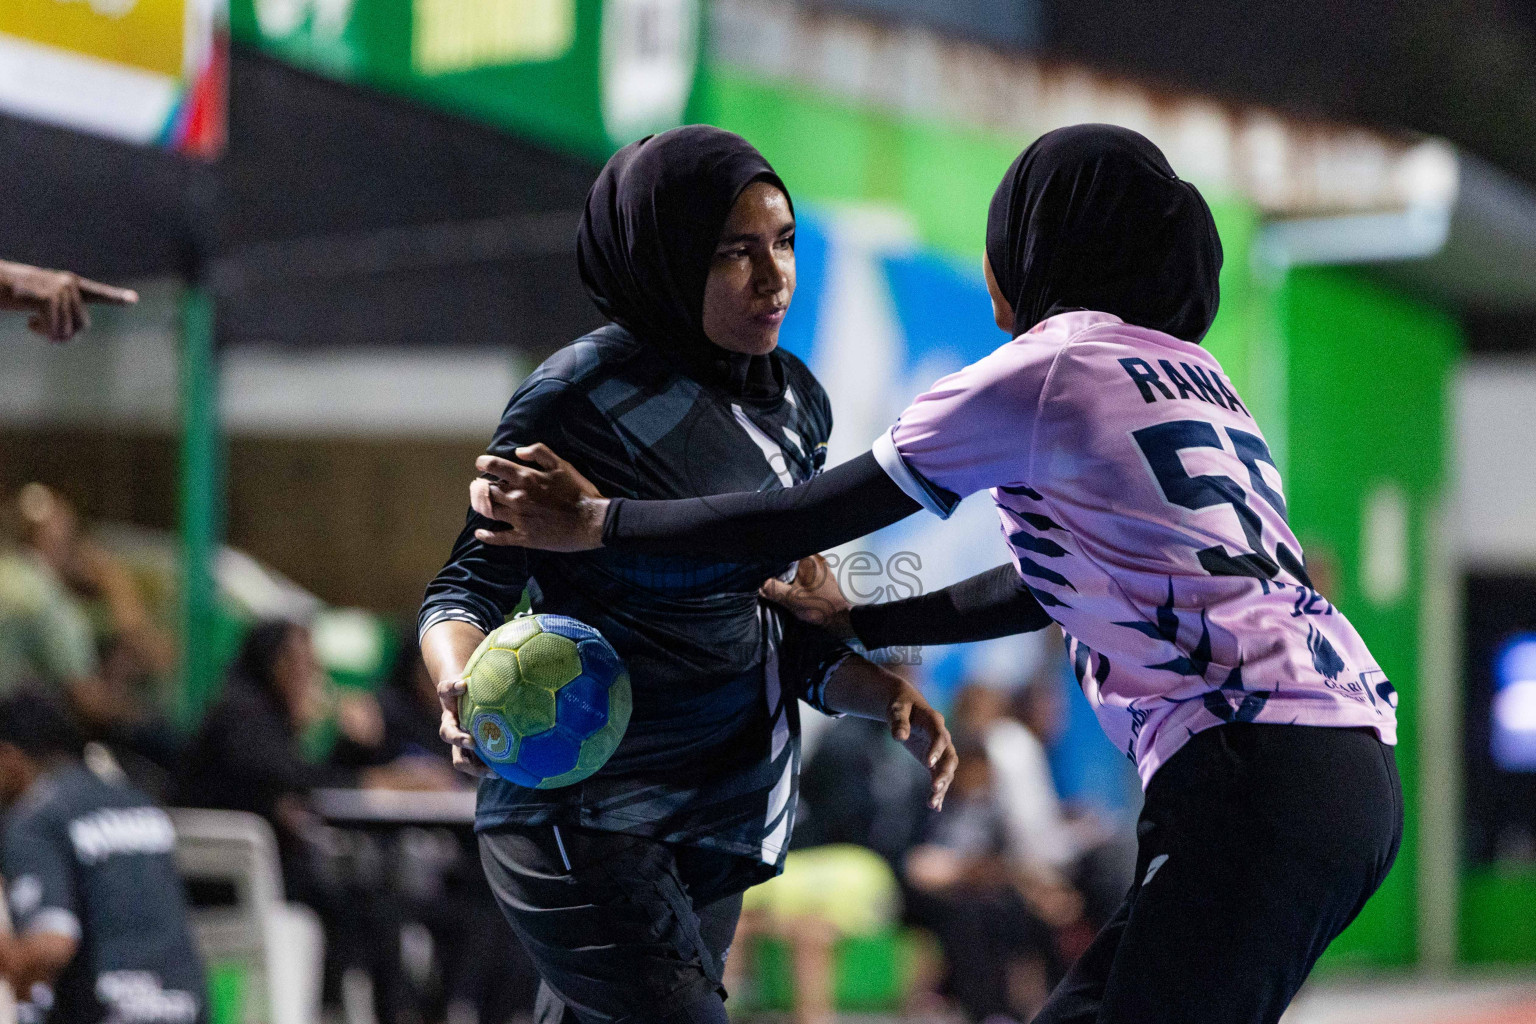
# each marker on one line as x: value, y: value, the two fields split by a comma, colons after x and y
x: 547, y: 700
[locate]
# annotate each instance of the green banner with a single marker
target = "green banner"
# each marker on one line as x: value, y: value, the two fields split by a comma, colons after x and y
x: 587, y: 76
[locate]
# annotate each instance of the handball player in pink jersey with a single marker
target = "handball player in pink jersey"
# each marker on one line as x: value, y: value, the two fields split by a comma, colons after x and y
x: 1145, y: 515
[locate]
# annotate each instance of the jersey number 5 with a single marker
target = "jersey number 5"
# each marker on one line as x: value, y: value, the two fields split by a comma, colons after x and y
x: 1161, y: 444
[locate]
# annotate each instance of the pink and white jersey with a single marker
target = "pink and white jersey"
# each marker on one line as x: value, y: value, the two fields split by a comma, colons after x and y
x: 1145, y: 513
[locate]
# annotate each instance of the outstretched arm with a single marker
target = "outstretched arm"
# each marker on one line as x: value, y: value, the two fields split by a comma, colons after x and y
x: 551, y: 506
x: 55, y: 298
x: 989, y: 605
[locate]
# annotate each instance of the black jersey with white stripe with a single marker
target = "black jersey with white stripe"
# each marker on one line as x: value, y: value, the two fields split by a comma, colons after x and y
x: 712, y: 750
x: 93, y: 859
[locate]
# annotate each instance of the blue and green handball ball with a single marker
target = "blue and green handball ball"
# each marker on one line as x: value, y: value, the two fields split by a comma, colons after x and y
x: 547, y: 700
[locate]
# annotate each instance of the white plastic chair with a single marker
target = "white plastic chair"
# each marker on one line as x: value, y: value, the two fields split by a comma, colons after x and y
x: 278, y: 942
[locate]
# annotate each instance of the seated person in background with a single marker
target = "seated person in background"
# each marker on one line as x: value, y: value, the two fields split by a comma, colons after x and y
x: 409, y: 713
x: 101, y: 929
x: 994, y: 914
x: 248, y: 756
x: 1104, y: 843
x: 55, y: 298
x: 100, y: 580
x: 45, y: 633
x: 73, y: 617
x: 1014, y: 724
x: 1026, y: 794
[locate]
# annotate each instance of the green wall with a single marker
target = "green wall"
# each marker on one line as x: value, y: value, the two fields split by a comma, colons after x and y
x: 1366, y: 394
x: 828, y: 150
x: 1498, y: 916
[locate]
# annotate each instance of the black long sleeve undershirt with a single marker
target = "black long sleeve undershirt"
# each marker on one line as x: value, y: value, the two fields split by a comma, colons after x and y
x: 837, y: 506
x: 988, y: 605
x: 842, y: 504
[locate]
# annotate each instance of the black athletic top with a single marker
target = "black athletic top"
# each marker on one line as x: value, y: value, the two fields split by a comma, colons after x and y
x: 712, y: 750
x: 94, y: 860
x: 840, y: 505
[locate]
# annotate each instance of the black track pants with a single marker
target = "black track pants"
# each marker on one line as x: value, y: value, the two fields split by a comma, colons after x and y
x: 623, y: 929
x: 1257, y: 845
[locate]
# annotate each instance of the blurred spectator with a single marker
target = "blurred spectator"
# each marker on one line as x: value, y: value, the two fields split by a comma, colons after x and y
x: 409, y: 715
x: 1103, y: 844
x: 72, y: 619
x: 45, y: 634
x: 1091, y: 774
x: 97, y: 579
x: 1038, y: 834
x: 1014, y: 726
x: 995, y: 916
x: 247, y: 756
x: 101, y: 921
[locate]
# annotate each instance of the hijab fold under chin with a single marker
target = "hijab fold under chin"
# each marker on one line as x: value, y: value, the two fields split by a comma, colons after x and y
x: 647, y: 239
x: 1093, y: 217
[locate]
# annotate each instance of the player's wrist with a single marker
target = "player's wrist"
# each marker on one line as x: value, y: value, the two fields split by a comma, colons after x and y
x: 839, y: 623
x: 594, y: 520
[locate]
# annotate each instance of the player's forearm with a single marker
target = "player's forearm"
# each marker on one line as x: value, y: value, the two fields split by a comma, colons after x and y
x: 8, y: 272
x: 988, y: 605
x: 840, y: 505
x: 865, y: 690
x: 446, y: 647
x: 11, y: 276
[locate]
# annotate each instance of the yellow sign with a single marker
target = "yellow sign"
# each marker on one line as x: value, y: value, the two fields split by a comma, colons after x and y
x: 461, y: 35
x: 145, y: 34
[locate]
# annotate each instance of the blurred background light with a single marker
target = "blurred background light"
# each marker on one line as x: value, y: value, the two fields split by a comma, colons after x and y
x: 1514, y: 705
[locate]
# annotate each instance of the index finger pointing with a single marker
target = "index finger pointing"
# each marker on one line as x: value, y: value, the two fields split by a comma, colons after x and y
x: 95, y: 291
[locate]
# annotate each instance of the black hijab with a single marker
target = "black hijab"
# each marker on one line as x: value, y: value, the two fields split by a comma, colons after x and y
x: 648, y: 236
x: 1092, y: 217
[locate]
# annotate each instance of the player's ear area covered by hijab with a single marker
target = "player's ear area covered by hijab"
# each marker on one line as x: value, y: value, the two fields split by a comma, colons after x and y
x: 1093, y: 217
x: 648, y: 236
